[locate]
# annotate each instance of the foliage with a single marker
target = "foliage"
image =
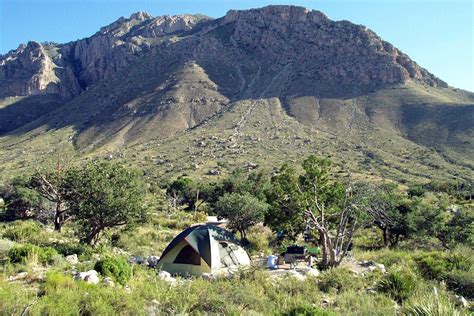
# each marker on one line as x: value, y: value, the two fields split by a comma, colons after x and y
x: 22, y: 231
x: 20, y: 200
x: 437, y: 265
x: 308, y: 310
x: 431, y: 304
x: 183, y: 191
x: 31, y: 253
x: 50, y: 184
x: 461, y: 282
x: 338, y: 280
x: 104, y: 195
x: 389, y: 210
x: 241, y: 210
x: 314, y: 200
x: 116, y: 268
x: 399, y: 285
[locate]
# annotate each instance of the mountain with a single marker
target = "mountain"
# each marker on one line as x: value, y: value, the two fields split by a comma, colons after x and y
x: 191, y: 94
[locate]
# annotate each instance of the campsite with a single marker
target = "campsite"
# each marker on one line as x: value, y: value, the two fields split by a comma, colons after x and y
x: 245, y: 157
x: 254, y: 255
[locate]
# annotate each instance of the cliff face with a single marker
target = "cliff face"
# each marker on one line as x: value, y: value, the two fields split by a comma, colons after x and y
x: 36, y: 69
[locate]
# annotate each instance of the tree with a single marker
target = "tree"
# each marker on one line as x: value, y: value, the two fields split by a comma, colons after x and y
x: 434, y: 216
x: 104, y: 195
x: 389, y: 210
x: 20, y: 200
x: 314, y: 199
x: 242, y: 211
x: 184, y: 191
x: 50, y: 185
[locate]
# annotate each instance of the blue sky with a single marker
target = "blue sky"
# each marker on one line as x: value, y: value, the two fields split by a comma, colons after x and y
x: 438, y: 34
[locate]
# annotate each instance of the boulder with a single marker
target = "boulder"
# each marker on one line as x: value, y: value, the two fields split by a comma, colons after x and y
x: 90, y: 276
x: 309, y: 272
x: 72, y: 259
x: 19, y: 276
x: 166, y: 276
x: 136, y: 260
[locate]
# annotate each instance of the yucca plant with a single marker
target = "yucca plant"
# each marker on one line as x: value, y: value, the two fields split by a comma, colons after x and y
x: 399, y: 285
x: 432, y: 305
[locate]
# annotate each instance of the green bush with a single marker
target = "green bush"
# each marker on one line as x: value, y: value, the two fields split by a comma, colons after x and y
x: 116, y: 268
x: 339, y: 279
x: 22, y: 231
x: 399, y: 285
x: 436, y: 266
x: 32, y: 254
x: 308, y: 310
x: 66, y: 249
x: 461, y: 282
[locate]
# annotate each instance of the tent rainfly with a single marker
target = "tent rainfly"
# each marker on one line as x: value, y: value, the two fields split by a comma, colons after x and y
x: 203, y: 249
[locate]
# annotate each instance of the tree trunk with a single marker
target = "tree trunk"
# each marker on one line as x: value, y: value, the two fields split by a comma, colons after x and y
x: 91, y: 237
x: 385, y: 237
x: 58, y: 217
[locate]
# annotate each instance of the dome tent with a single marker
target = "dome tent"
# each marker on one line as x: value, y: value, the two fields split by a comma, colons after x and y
x: 203, y: 249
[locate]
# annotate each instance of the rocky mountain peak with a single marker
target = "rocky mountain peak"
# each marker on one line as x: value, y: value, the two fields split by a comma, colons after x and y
x: 140, y: 16
x: 277, y: 13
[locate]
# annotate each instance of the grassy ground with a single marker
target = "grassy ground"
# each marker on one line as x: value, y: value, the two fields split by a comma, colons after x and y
x: 49, y: 289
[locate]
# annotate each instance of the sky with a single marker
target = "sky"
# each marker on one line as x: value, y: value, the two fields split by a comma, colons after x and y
x: 437, y: 34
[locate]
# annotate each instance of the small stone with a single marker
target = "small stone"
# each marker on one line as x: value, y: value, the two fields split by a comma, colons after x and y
x: 109, y: 282
x: 461, y: 301
x: 152, y: 261
x: 127, y: 289
x: 72, y: 259
x: 208, y: 277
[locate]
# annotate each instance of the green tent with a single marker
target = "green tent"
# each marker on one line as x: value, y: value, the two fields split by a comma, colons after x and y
x: 203, y: 249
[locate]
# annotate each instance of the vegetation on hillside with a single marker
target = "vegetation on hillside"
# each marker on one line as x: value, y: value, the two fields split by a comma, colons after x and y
x: 423, y: 235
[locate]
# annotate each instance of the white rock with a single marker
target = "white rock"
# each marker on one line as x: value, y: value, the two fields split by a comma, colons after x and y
x: 164, y: 274
x: 90, y: 276
x: 17, y: 277
x: 109, y: 282
x: 136, y: 260
x: 208, y: 277
x: 127, y: 289
x: 309, y: 272
x: 72, y: 259
x: 461, y: 301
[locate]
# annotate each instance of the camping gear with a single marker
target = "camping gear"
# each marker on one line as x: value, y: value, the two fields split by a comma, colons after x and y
x: 203, y: 249
x: 272, y: 262
x: 295, y: 254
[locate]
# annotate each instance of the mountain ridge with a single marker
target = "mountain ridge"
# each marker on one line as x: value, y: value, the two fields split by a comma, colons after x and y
x: 144, y: 79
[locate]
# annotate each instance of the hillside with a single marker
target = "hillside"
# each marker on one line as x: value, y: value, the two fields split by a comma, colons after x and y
x: 190, y: 94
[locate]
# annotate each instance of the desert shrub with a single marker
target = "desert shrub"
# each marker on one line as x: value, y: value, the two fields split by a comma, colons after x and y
x: 399, y: 285
x: 116, y: 268
x: 308, y: 310
x: 259, y: 238
x: 462, y: 282
x: 388, y: 257
x: 339, y: 279
x: 66, y: 249
x: 14, y: 297
x: 437, y: 266
x: 362, y: 303
x: 31, y: 253
x: 22, y: 231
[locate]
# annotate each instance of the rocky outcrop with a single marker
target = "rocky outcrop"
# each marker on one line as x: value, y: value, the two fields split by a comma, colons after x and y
x: 335, y: 52
x: 36, y: 69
